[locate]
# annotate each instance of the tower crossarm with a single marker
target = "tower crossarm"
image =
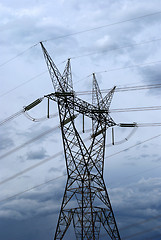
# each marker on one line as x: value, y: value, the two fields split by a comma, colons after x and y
x: 83, y: 107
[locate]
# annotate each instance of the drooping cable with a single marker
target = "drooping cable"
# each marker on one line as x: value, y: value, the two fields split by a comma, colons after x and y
x: 39, y: 119
x: 15, y: 115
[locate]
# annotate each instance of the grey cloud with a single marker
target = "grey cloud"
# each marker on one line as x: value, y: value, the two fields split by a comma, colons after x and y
x: 40, y: 134
x: 30, y: 25
x: 157, y: 159
x: 5, y: 142
x: 38, y: 154
x: 131, y: 204
x: 152, y: 75
x: 39, y: 202
x: 53, y: 169
x: 137, y: 203
x: 139, y: 197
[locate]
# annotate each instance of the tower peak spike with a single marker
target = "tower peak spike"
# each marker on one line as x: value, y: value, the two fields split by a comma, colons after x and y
x: 61, y: 83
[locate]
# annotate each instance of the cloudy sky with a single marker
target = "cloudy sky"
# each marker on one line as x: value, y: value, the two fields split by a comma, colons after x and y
x: 120, y: 41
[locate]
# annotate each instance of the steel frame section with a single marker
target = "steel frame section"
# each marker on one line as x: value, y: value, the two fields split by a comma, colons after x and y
x: 85, y: 202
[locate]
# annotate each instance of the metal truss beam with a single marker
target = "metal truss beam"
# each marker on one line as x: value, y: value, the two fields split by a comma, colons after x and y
x: 86, y: 202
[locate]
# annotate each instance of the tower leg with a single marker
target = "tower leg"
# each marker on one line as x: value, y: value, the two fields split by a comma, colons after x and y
x: 65, y: 215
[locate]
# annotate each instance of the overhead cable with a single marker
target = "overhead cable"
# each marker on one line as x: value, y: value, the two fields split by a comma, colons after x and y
x: 130, y: 66
x: 142, y: 232
x: 103, y: 26
x: 116, y: 48
x: 30, y: 168
x: 29, y: 142
x: 18, y: 55
x: 32, y: 188
x: 11, y: 117
x: 23, y: 83
x: 151, y: 108
x: 141, y: 222
x: 118, y: 89
x: 123, y: 89
x: 61, y: 152
x: 25, y: 170
x: 81, y: 32
x: 137, y: 144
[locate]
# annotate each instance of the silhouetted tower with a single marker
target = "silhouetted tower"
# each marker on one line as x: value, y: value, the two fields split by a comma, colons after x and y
x: 86, y: 202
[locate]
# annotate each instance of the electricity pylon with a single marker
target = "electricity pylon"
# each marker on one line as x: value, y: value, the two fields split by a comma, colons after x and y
x: 86, y: 202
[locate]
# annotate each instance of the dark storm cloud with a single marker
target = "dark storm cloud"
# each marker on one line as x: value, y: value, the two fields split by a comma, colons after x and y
x: 131, y: 204
x: 135, y: 204
x: 38, y: 227
x: 40, y: 202
x: 142, y: 197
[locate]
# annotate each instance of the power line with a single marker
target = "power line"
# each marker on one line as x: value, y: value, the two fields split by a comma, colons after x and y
x: 50, y: 130
x: 25, y: 82
x: 32, y: 188
x: 122, y: 68
x: 136, y: 88
x: 140, y: 222
x: 131, y: 66
x: 133, y: 88
x: 123, y: 89
x: 80, y: 32
x: 61, y: 152
x: 29, y: 142
x: 22, y: 84
x: 54, y: 179
x: 151, y: 108
x: 103, y: 26
x: 137, y: 144
x: 116, y: 110
x: 21, y: 53
x: 140, y: 233
x: 117, y: 48
x: 17, y: 114
x: 137, y: 174
x: 30, y: 168
x: 11, y: 117
x: 149, y: 124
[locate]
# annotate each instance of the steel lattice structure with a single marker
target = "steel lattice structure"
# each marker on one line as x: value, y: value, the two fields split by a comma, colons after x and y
x: 86, y: 202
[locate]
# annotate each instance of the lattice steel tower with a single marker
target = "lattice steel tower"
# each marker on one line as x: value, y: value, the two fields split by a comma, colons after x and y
x: 86, y: 202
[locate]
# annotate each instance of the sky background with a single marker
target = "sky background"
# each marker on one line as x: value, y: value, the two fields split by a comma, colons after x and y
x: 120, y: 38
